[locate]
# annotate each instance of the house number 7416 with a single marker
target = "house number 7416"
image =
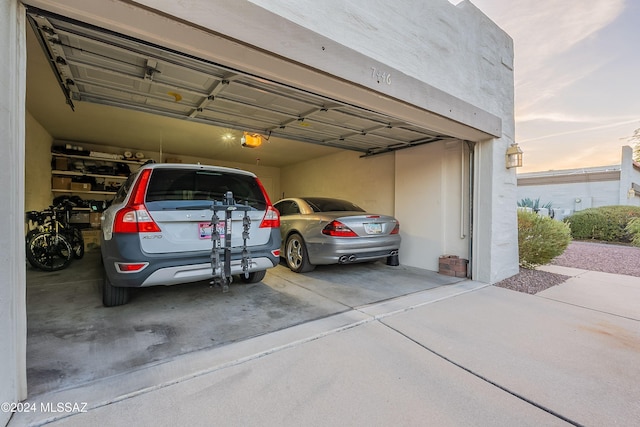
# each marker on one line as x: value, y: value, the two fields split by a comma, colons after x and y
x: 380, y: 76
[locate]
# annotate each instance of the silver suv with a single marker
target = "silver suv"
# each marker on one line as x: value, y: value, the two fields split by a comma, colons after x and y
x: 158, y: 229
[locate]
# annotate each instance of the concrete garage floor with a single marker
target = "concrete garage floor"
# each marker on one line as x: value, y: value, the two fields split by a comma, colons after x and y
x: 72, y: 339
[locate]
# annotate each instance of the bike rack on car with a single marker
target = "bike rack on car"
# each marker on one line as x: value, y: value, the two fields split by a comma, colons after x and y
x: 221, y: 256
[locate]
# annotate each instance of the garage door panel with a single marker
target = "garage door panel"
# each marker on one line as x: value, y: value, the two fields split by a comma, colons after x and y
x: 180, y: 77
x: 100, y: 66
x: 249, y: 94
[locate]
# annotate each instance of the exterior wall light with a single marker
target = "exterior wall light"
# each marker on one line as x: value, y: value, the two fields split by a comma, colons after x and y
x: 514, y: 156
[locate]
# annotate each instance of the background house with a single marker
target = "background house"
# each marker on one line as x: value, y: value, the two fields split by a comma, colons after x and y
x: 573, y: 190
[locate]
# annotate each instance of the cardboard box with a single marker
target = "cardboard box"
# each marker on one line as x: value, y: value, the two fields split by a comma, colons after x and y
x: 80, y: 186
x: 60, y: 183
x: 91, y: 239
x: 79, y: 218
x: 62, y: 164
x: 95, y: 219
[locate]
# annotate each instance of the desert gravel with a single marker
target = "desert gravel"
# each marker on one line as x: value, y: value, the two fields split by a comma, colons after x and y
x: 593, y: 256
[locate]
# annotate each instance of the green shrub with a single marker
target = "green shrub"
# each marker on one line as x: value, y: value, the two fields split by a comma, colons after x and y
x: 633, y: 229
x: 607, y: 223
x: 540, y: 239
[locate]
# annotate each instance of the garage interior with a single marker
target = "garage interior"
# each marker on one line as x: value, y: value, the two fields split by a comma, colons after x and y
x: 93, y: 88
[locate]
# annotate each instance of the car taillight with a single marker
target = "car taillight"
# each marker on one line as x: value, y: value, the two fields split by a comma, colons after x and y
x: 396, y: 229
x: 134, y: 217
x: 271, y: 218
x: 134, y: 267
x: 338, y: 229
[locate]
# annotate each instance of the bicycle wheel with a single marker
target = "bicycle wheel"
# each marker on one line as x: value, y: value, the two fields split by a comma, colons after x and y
x: 30, y: 235
x: 49, y: 252
x: 77, y: 243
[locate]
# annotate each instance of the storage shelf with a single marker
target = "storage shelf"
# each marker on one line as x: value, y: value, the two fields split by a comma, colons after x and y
x: 57, y: 190
x: 102, y: 176
x: 102, y: 159
x: 74, y: 173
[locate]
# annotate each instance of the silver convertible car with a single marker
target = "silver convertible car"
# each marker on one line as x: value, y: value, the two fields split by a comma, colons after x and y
x: 318, y: 230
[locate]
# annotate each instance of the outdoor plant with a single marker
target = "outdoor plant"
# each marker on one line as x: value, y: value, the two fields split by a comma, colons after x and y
x: 607, y: 223
x: 540, y: 239
x: 534, y: 204
x: 633, y: 229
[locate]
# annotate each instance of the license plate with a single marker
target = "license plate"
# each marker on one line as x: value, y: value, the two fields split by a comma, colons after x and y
x: 205, y: 230
x: 373, y: 228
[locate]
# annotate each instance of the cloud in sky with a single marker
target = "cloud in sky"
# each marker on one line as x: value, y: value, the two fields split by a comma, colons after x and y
x: 543, y: 30
x: 575, y: 74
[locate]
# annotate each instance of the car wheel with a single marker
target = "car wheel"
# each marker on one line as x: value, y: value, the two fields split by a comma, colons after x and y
x: 113, y: 295
x: 254, y: 277
x: 296, y: 255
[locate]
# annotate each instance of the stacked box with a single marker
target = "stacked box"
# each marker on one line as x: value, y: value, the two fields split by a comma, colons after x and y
x: 81, y: 186
x: 79, y: 218
x: 91, y: 239
x: 60, y: 183
x: 61, y: 163
x: 452, y: 265
x: 95, y: 219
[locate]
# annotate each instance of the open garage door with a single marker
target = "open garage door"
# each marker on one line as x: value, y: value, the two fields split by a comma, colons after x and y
x: 99, y: 66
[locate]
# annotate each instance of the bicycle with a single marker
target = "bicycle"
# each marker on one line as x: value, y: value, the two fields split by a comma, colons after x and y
x: 52, y: 242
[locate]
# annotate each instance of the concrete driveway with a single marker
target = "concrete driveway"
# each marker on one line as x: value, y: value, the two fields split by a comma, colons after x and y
x: 461, y: 354
x: 73, y: 339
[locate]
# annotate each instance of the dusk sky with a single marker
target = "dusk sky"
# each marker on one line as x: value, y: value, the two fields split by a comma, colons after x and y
x: 577, y: 78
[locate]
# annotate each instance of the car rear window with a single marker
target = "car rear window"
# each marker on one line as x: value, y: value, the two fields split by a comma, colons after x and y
x: 332, y: 205
x: 186, y: 184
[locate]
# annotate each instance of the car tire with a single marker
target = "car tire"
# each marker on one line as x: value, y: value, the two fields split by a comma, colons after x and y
x: 253, y: 277
x: 113, y: 296
x: 296, y: 255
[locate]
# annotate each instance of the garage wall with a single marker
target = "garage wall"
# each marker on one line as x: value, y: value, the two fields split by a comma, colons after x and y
x: 435, y: 222
x: 37, y: 166
x: 368, y: 182
x: 269, y: 176
x: 13, y: 340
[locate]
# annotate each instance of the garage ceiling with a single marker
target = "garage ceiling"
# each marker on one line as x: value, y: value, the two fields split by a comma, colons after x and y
x: 175, y: 97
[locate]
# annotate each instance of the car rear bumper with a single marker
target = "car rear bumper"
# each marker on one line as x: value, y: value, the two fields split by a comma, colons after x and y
x: 175, y: 268
x: 195, y: 273
x: 345, y: 250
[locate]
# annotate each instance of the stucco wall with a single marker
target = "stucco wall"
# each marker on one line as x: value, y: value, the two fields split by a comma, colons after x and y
x: 629, y: 178
x: 454, y: 48
x: 13, y: 339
